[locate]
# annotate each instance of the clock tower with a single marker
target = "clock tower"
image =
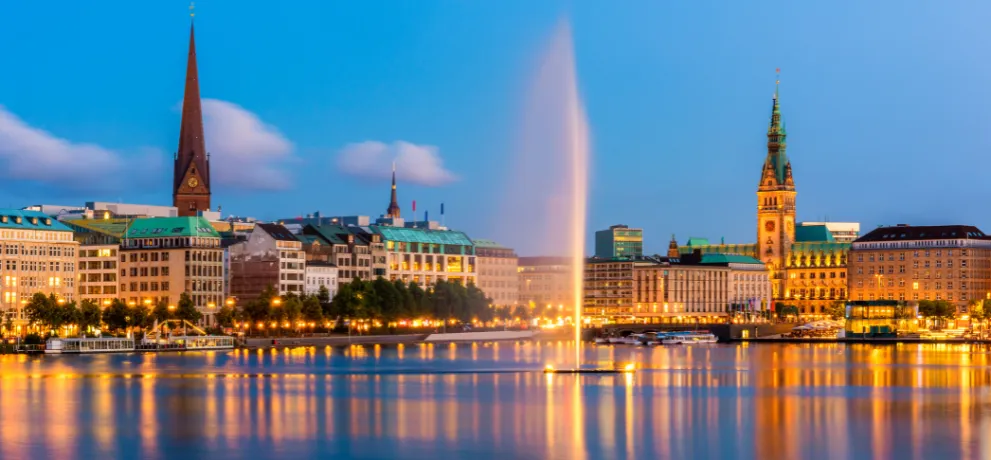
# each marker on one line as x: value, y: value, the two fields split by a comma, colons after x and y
x: 191, y: 174
x: 775, y: 204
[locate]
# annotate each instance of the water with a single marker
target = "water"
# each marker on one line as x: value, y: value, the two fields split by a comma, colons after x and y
x: 490, y: 401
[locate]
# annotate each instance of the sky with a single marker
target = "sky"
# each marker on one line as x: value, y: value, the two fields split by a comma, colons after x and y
x: 307, y: 104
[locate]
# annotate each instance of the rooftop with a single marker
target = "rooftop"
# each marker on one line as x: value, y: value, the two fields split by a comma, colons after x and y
x: 279, y: 232
x: 157, y: 227
x: 111, y: 227
x: 729, y: 259
x: 810, y: 233
x: 480, y: 243
x: 30, y: 220
x: 421, y: 235
x: 933, y: 232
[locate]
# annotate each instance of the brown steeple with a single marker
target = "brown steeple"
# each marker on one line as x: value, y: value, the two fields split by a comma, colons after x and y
x: 393, y: 209
x: 191, y: 176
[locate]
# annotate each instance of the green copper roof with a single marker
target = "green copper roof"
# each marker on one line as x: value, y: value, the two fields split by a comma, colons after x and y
x: 813, y: 233
x: 19, y: 219
x: 421, y: 235
x: 824, y: 247
x: 729, y: 259
x: 160, y: 227
x: 776, y: 142
x: 739, y: 249
x: 480, y: 243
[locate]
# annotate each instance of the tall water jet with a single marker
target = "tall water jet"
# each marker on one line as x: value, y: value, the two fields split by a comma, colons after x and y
x: 549, y: 187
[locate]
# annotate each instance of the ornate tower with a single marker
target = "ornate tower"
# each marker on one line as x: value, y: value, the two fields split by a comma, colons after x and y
x: 393, y: 209
x: 191, y: 176
x: 775, y: 203
x: 673, y: 248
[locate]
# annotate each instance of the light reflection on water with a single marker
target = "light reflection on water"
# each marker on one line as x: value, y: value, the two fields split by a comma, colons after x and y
x: 492, y: 401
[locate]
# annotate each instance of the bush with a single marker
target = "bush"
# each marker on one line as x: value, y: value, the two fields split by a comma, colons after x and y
x: 33, y: 339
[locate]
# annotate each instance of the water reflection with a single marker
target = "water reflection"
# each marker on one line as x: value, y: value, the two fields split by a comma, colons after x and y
x: 492, y: 401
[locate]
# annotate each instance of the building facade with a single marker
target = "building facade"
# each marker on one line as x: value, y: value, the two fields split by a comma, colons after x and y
x: 161, y: 258
x: 271, y: 257
x: 619, y: 241
x: 98, y: 273
x: 345, y: 247
x: 320, y: 274
x: 38, y: 254
x: 691, y: 287
x: 546, y: 281
x: 911, y: 263
x: 843, y: 232
x: 425, y: 256
x: 498, y: 273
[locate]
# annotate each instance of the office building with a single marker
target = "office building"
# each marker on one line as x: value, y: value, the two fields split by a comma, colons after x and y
x: 619, y: 241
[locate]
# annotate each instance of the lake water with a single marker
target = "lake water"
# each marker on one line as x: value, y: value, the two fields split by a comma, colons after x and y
x: 483, y: 401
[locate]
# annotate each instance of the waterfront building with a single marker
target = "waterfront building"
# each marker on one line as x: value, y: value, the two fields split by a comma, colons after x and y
x: 270, y: 257
x: 692, y: 287
x: 425, y: 256
x: 619, y: 241
x: 343, y: 247
x: 546, y: 281
x: 320, y: 274
x: 191, y: 169
x: 98, y: 271
x: 37, y: 254
x: 807, y: 265
x: 497, y: 272
x: 911, y: 263
x: 163, y: 257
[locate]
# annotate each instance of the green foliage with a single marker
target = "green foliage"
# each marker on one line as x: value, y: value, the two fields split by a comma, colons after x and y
x: 225, y: 316
x: 787, y: 310
x: 161, y: 312
x: 939, y: 311
x: 116, y: 315
x: 89, y: 315
x: 836, y: 310
x: 185, y: 310
x: 312, y: 309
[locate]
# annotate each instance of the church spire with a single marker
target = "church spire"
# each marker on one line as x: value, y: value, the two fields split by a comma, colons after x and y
x: 191, y: 176
x: 393, y: 209
x: 777, y: 161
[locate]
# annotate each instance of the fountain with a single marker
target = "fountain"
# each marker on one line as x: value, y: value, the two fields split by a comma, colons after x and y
x: 556, y: 133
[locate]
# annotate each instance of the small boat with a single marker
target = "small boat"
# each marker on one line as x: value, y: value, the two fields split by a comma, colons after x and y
x: 79, y: 345
x: 692, y: 338
x: 602, y: 341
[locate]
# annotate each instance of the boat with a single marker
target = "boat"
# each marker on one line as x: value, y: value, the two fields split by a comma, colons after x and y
x: 204, y: 342
x: 690, y: 338
x: 156, y: 340
x: 79, y: 345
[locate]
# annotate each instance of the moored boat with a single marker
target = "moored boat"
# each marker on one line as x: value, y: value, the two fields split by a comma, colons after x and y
x: 690, y: 338
x: 78, y: 345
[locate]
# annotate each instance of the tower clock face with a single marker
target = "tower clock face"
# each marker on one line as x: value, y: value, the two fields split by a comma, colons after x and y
x: 769, y: 225
x: 192, y: 182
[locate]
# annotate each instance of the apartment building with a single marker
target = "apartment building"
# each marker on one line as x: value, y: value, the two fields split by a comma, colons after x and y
x: 271, y: 256
x: 498, y: 273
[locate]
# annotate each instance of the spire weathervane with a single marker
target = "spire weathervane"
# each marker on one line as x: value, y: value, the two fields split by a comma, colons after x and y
x: 777, y: 81
x: 192, y: 8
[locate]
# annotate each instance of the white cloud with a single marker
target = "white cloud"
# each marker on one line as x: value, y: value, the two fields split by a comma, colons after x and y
x: 417, y: 164
x: 29, y: 153
x: 245, y: 152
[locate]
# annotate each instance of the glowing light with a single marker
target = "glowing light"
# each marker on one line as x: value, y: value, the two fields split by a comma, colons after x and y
x: 629, y: 368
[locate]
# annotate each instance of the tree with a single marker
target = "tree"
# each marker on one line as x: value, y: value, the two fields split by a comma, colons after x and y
x: 419, y: 300
x: 522, y: 312
x: 161, y: 312
x: 292, y: 310
x: 312, y: 309
x: 478, y: 304
x: 387, y: 298
x: 68, y: 314
x: 39, y: 310
x: 140, y: 316
x: 785, y: 311
x: 186, y: 310
x: 323, y: 295
x: 115, y: 316
x: 89, y: 316
x: 836, y: 310
x: 225, y: 316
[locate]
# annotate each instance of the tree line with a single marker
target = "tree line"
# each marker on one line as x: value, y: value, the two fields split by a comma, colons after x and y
x: 53, y: 314
x: 380, y: 300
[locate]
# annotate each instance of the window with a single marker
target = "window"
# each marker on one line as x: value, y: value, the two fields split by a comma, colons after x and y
x: 901, y: 256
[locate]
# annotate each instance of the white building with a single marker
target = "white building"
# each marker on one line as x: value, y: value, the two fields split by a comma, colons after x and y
x: 498, y: 273
x: 320, y: 274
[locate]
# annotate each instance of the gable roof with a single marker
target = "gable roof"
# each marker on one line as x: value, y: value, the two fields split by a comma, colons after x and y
x: 163, y: 227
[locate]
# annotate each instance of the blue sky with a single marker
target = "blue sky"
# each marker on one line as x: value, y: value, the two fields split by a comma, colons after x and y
x: 887, y: 105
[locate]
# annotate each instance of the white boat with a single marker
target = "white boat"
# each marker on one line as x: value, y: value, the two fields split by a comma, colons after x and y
x: 693, y: 338
x: 602, y: 340
x: 78, y: 345
x: 204, y: 342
